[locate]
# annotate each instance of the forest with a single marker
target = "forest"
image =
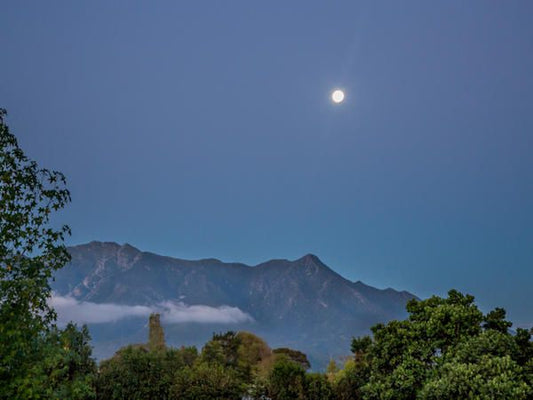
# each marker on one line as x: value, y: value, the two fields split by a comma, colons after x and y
x: 446, y: 348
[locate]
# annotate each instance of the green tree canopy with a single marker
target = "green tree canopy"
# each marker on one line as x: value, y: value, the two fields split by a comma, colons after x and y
x: 446, y: 349
x: 295, y: 356
x: 30, y: 250
x: 65, y: 368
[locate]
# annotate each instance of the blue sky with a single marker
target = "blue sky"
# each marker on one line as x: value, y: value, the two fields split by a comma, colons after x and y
x: 204, y: 129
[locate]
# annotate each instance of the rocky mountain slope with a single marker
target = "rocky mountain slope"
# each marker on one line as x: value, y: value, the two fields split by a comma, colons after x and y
x: 302, y: 304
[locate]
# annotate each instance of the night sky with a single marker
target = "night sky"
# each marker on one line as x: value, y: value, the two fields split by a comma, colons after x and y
x: 205, y: 129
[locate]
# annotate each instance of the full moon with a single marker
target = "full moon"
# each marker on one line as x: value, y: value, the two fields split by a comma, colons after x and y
x: 337, y: 96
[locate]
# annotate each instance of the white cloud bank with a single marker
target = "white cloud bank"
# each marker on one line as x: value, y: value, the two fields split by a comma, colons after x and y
x: 82, y: 312
x: 179, y: 312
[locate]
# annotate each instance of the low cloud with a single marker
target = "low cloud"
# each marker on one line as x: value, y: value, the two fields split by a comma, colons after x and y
x: 70, y: 309
x: 179, y: 312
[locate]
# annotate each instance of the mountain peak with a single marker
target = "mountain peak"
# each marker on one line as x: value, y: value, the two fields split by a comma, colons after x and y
x: 312, y: 263
x: 128, y: 247
x: 310, y: 258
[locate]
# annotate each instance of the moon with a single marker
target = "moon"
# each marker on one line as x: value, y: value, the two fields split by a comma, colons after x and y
x: 337, y: 96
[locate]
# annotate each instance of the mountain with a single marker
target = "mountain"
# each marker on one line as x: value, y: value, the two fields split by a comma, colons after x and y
x: 302, y: 304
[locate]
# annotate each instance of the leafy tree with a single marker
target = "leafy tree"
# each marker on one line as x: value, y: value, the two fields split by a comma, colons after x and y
x: 133, y: 373
x: 446, y: 349
x: 295, y: 356
x: 489, y: 378
x: 243, y: 352
x: 443, y: 322
x: 317, y: 387
x: 480, y: 367
x: 496, y: 320
x: 207, y: 382
x: 30, y: 250
x: 332, y: 368
x: 361, y: 345
x: 252, y: 354
x: 65, y: 369
x: 175, y: 359
x: 525, y: 346
x: 347, y: 382
x: 252, y: 349
x: 286, y: 380
x: 223, y: 349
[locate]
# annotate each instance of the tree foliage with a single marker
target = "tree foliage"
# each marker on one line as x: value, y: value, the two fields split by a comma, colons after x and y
x: 295, y: 356
x: 30, y: 250
x: 139, y: 374
x: 286, y: 380
x: 446, y: 349
x: 65, y: 368
x: 207, y: 381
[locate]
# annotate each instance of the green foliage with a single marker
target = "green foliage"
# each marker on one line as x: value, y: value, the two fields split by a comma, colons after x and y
x: 444, y: 322
x: 294, y: 355
x: 30, y: 250
x: 156, y: 338
x: 175, y: 359
x: 138, y: 374
x: 496, y: 320
x: 65, y: 369
x: 317, y: 387
x: 481, y: 367
x: 252, y: 349
x: 222, y: 349
x: 489, y: 378
x: 133, y: 373
x: 332, y: 368
x: 361, y: 345
x: 348, y: 381
x: 207, y: 381
x: 525, y: 346
x: 286, y: 380
x: 446, y: 349
x: 242, y: 352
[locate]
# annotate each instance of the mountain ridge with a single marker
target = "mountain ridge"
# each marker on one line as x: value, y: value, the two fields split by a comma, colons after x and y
x: 303, y: 303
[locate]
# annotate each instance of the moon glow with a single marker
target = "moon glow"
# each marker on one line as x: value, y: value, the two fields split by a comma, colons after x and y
x: 337, y: 96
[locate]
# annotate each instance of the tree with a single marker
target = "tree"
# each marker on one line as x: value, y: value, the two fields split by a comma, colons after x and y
x: 489, y: 378
x: 30, y: 250
x: 496, y: 320
x: 223, y: 349
x: 133, y: 373
x: 347, y: 382
x: 156, y: 336
x: 295, y: 356
x: 253, y: 353
x: 446, y: 349
x: 317, y: 387
x: 65, y: 369
x: 286, y: 380
x: 207, y: 382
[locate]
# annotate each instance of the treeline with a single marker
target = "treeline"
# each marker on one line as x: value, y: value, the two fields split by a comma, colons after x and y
x: 230, y: 366
x: 445, y: 349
